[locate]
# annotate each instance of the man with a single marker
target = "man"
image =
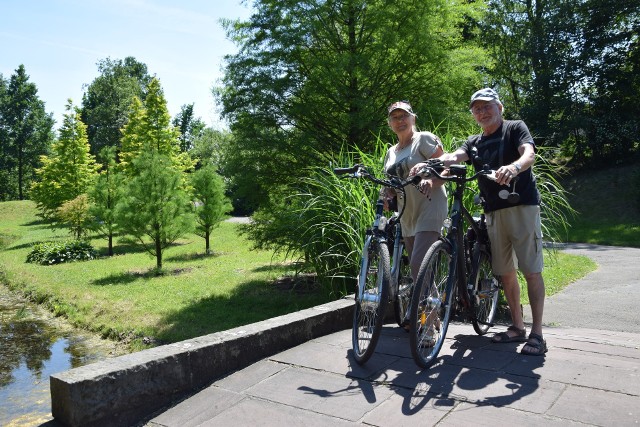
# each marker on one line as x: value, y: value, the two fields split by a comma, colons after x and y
x: 507, y: 147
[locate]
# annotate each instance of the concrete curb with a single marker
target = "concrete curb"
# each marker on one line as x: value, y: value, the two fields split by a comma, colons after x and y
x: 128, y: 389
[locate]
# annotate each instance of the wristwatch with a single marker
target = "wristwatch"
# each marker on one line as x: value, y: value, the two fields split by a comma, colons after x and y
x: 517, y: 166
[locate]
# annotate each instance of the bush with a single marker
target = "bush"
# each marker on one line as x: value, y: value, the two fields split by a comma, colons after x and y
x: 48, y: 253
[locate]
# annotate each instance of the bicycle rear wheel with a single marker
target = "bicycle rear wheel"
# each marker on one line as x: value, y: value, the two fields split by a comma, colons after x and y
x: 404, y: 290
x: 431, y: 305
x: 371, y: 299
x: 487, y: 291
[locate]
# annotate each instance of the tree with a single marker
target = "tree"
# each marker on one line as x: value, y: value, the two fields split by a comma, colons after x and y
x: 209, y: 147
x: 611, y: 54
x: 74, y: 214
x: 105, y: 196
x: 70, y: 169
x: 155, y: 209
x: 211, y: 204
x: 26, y: 133
x: 312, y: 76
x: 190, y: 127
x: 149, y: 129
x: 106, y: 103
x: 570, y: 70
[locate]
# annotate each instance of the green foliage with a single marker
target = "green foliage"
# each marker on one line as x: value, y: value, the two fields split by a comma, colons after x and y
x: 156, y: 208
x: 26, y: 133
x: 323, y: 221
x: 69, y: 171
x: 190, y: 127
x: 604, y: 205
x: 106, y: 104
x: 211, y: 204
x: 149, y: 130
x: 313, y: 77
x: 210, y: 147
x: 48, y: 253
x: 570, y: 69
x: 105, y: 195
x: 555, y: 210
x: 74, y: 214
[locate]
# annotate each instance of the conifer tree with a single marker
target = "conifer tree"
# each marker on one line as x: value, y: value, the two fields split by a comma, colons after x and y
x: 156, y: 208
x: 105, y: 195
x: 211, y: 204
x: 70, y: 169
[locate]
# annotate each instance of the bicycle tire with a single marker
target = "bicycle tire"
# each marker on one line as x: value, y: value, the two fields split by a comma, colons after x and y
x: 404, y: 289
x: 368, y: 316
x: 431, y: 305
x: 484, y: 302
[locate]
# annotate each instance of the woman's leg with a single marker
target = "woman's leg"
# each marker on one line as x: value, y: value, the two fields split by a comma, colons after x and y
x: 421, y: 243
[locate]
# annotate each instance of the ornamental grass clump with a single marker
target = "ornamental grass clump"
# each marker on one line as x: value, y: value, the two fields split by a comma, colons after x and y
x: 48, y: 253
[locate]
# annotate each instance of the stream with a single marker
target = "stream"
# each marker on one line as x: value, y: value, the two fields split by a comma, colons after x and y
x: 34, y: 345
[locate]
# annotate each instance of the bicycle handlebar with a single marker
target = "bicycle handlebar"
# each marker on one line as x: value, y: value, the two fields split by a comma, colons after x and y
x: 359, y: 171
x: 430, y: 170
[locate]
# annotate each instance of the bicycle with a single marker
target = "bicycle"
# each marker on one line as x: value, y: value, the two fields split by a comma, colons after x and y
x: 382, y: 277
x: 455, y: 273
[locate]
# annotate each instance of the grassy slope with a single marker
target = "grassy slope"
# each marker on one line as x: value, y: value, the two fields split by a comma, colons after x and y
x: 608, y: 205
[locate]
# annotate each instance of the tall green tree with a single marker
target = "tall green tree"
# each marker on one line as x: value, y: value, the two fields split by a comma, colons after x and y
x: 69, y: 171
x: 533, y: 46
x: 311, y: 76
x: 26, y: 133
x: 570, y: 70
x: 106, y: 104
x: 156, y: 208
x: 211, y: 203
x: 210, y: 146
x: 105, y: 196
x: 190, y: 127
x: 611, y: 54
x: 149, y: 129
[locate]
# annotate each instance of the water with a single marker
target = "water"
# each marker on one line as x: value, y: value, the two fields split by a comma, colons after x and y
x: 33, y: 346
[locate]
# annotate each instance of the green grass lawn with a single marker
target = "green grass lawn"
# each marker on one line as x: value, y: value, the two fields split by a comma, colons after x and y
x: 121, y: 298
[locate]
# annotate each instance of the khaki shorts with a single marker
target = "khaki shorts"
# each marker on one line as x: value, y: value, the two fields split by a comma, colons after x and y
x: 516, y: 239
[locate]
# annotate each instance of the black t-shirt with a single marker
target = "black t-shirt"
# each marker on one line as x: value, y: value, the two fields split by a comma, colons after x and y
x: 499, y: 149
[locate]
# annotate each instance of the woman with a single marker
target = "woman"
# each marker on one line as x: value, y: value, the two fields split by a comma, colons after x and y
x: 426, y: 208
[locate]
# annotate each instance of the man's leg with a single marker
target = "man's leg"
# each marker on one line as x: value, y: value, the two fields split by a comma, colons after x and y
x: 512, y: 293
x: 535, y: 290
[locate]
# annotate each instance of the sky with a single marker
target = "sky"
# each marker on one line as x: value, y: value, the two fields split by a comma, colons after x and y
x: 60, y: 42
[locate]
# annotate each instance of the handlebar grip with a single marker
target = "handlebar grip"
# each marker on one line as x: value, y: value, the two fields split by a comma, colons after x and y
x: 342, y: 171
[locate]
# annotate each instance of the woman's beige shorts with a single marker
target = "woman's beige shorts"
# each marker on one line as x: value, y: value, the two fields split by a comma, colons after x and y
x: 516, y: 239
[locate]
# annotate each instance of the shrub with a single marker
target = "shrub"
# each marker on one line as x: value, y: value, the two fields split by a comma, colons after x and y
x: 48, y: 253
x: 74, y: 215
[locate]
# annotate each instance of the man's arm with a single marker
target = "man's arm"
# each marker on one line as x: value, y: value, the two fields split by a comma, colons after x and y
x: 457, y: 156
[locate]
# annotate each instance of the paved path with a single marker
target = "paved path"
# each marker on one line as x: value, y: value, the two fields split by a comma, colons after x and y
x: 606, y: 299
x: 591, y: 375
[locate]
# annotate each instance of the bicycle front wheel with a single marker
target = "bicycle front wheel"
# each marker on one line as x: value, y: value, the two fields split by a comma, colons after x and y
x: 487, y: 290
x: 404, y: 290
x: 431, y: 305
x: 371, y: 299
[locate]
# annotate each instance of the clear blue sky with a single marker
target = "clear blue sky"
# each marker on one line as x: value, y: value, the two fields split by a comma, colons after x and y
x: 60, y: 42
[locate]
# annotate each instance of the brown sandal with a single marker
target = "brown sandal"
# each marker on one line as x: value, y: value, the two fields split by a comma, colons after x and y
x: 520, y: 336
